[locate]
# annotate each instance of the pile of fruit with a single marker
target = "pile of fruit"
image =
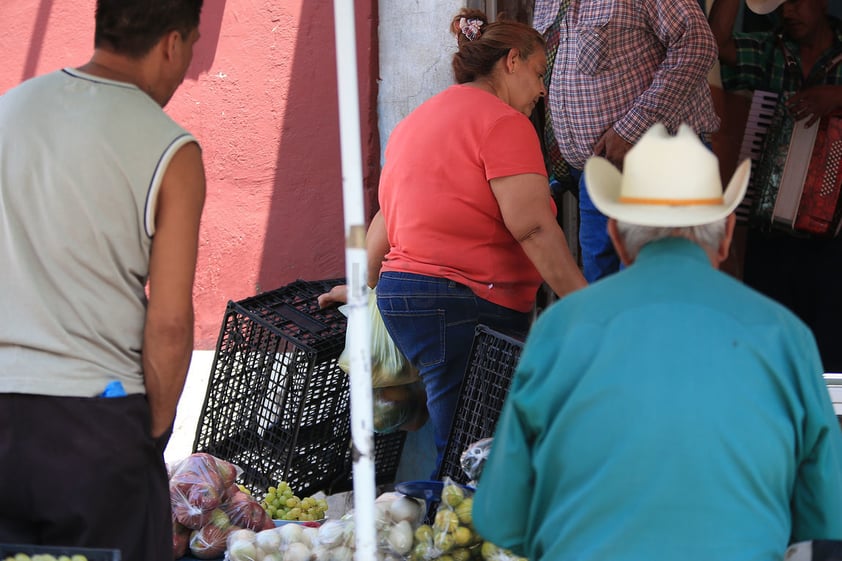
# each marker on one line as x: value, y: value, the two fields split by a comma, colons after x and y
x: 207, y: 505
x: 452, y: 537
x: 402, y: 534
x: 282, y: 504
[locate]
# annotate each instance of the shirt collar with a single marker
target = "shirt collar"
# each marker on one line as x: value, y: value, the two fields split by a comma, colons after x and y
x: 673, y: 246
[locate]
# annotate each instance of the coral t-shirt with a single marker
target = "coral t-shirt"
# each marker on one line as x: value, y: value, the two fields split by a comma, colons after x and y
x: 441, y: 216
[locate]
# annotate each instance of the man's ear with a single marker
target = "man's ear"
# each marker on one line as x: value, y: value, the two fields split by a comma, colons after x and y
x: 618, y: 243
x: 171, y: 43
x: 725, y: 245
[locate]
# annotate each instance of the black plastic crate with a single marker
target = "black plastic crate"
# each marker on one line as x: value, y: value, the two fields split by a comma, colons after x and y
x: 388, y: 448
x: 485, y: 386
x: 92, y: 554
x: 277, y: 403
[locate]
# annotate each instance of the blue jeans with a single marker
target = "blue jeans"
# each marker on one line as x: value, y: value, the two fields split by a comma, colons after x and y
x: 599, y: 259
x: 432, y: 321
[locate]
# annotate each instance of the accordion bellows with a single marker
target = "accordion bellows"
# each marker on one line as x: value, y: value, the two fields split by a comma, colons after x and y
x: 797, y: 174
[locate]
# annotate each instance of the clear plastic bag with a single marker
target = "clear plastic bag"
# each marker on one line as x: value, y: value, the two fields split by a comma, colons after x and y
x: 246, y: 512
x: 473, y: 458
x: 401, y: 407
x: 199, y: 484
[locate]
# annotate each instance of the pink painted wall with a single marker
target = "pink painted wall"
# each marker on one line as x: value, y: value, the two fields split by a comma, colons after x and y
x: 261, y: 99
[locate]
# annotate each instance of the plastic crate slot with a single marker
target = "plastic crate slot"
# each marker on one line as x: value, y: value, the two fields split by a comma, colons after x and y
x: 291, y: 314
x: 485, y: 385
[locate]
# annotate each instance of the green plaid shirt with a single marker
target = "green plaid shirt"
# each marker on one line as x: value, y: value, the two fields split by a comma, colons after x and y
x: 761, y: 64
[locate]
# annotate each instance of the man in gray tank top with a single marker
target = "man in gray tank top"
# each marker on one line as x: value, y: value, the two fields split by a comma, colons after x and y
x: 101, y: 195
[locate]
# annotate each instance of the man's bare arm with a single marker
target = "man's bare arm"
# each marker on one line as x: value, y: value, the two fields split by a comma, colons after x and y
x: 168, y: 334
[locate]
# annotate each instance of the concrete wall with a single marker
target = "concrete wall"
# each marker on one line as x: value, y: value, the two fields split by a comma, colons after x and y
x: 261, y: 98
x: 415, y: 53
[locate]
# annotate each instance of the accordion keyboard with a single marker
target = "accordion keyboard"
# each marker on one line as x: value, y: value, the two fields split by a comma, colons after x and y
x: 757, y: 124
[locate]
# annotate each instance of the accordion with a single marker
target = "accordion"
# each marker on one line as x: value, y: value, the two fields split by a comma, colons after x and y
x: 796, y: 171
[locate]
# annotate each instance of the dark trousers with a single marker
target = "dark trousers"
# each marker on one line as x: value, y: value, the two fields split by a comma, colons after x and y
x: 805, y: 275
x: 83, y: 472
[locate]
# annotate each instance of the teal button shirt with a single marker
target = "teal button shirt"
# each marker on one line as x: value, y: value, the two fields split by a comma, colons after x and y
x: 665, y: 413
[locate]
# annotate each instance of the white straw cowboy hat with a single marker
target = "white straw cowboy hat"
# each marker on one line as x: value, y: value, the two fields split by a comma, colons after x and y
x: 670, y: 181
x: 763, y: 6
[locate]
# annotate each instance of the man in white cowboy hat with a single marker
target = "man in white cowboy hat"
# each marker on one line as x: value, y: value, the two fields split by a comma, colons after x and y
x: 668, y: 411
x: 801, y: 61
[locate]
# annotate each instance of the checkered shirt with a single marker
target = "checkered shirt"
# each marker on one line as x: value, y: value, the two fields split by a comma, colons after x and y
x: 627, y: 64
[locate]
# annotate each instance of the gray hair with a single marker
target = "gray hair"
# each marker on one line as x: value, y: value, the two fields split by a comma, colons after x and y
x: 634, y: 236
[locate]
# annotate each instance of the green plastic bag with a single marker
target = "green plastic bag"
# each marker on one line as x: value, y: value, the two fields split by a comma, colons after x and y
x: 388, y: 365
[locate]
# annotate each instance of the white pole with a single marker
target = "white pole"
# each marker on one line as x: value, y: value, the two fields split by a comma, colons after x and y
x: 359, y: 328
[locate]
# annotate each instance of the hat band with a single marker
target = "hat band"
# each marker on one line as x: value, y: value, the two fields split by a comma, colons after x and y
x: 671, y: 202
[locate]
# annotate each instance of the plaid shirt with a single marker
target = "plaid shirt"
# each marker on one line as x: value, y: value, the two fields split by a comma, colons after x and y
x: 761, y: 64
x: 628, y: 64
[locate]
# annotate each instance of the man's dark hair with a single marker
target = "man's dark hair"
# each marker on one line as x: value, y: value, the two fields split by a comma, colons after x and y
x: 132, y: 27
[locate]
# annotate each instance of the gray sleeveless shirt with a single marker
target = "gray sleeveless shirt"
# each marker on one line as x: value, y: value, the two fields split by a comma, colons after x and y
x: 81, y: 162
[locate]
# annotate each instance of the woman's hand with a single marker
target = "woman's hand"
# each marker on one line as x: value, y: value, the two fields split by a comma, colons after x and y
x: 337, y: 295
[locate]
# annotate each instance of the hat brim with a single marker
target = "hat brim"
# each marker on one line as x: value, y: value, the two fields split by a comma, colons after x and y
x: 763, y: 7
x: 603, y: 182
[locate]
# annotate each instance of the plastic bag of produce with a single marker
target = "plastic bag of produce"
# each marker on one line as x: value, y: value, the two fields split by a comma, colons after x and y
x: 452, y: 534
x: 397, y: 518
x: 199, y: 483
x: 335, y: 540
x: 473, y: 458
x: 388, y: 365
x: 289, y: 542
x: 180, y: 539
x: 401, y: 407
x: 452, y: 531
x: 245, y: 511
x: 209, y: 541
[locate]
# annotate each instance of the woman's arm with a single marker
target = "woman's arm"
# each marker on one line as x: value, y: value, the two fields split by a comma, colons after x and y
x: 527, y: 213
x: 377, y: 246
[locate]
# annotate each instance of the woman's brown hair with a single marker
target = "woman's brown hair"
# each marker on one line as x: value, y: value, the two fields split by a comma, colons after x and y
x: 476, y: 57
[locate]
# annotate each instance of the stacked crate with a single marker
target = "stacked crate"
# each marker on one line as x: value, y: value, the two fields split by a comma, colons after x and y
x: 277, y: 403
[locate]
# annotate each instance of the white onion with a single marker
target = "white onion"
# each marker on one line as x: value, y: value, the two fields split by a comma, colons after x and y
x: 405, y: 508
x: 400, y: 537
x: 269, y: 541
x: 297, y: 552
x: 309, y: 536
x: 290, y: 533
x: 243, y: 534
x: 241, y: 550
x: 332, y: 533
x: 321, y: 553
x: 341, y: 553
